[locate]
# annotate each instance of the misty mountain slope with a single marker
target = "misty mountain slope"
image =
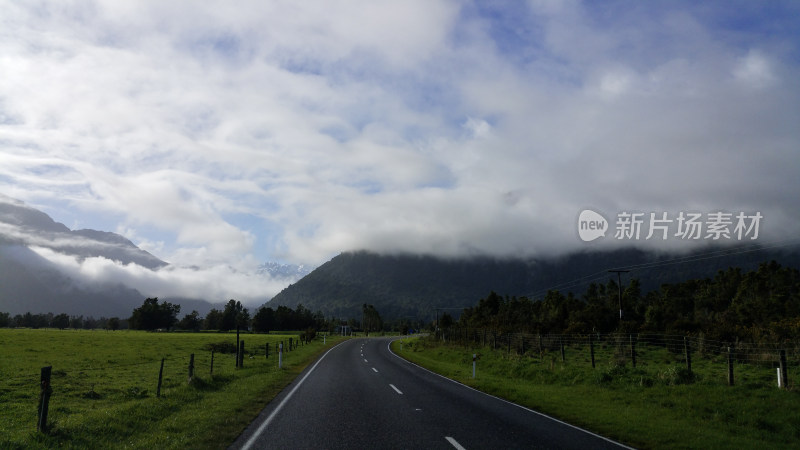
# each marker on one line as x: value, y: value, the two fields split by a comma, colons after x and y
x: 414, y: 286
x: 21, y: 224
x: 30, y: 282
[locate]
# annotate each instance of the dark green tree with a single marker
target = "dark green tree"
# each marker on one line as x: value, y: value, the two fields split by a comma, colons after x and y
x: 234, y: 315
x: 213, y: 320
x: 152, y: 315
x: 371, y: 320
x: 112, y: 324
x: 191, y: 322
x: 60, y: 321
x: 264, y: 320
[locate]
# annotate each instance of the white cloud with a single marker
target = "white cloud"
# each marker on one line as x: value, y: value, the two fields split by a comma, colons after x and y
x: 213, y: 283
x: 755, y: 70
x: 223, y: 133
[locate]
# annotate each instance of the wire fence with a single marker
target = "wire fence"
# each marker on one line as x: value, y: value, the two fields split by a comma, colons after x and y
x: 79, y: 384
x: 634, y: 349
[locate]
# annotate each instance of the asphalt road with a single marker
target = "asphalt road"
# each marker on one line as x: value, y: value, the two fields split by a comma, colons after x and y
x: 360, y: 395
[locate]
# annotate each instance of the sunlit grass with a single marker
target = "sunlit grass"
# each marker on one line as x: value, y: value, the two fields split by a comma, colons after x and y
x: 654, y: 405
x: 104, y: 387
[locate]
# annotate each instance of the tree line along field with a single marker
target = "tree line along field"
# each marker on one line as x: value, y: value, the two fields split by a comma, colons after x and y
x: 656, y: 404
x: 105, y: 386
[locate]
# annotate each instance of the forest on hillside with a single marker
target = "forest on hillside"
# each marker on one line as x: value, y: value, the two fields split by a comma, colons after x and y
x: 414, y: 287
x: 762, y: 305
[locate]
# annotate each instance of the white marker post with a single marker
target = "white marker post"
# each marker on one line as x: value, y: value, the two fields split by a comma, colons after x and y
x: 280, y: 355
x: 780, y: 384
x: 474, y: 356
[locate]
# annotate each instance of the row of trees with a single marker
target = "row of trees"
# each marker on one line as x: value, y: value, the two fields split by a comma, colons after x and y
x: 153, y: 315
x: 60, y: 321
x: 761, y: 306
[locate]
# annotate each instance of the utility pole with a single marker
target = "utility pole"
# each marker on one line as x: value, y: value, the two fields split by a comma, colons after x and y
x: 619, y: 288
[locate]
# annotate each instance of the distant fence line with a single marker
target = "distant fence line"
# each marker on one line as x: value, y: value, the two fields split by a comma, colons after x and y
x: 532, y: 343
x: 627, y: 347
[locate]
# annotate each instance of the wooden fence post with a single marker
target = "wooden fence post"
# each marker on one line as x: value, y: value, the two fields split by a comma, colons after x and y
x: 688, y: 355
x: 266, y: 350
x: 591, y: 348
x: 160, y: 377
x: 563, y: 356
x: 784, y: 379
x: 44, y: 398
x: 191, y: 368
x: 290, y: 344
x: 237, y: 346
x: 730, y: 367
x: 633, y: 351
x: 211, y: 372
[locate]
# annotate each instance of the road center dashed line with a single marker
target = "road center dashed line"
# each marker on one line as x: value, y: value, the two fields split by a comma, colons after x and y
x: 395, y: 389
x: 376, y: 370
x: 454, y: 443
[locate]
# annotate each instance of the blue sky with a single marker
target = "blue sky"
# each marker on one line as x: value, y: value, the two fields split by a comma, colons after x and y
x: 224, y: 134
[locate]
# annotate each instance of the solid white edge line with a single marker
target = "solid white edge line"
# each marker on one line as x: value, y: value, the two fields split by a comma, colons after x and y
x: 395, y: 389
x: 283, y: 402
x: 389, y: 347
x: 376, y: 370
x: 454, y: 443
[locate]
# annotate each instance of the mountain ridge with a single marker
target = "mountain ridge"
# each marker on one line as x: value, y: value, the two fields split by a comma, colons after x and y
x: 30, y: 282
x: 414, y: 286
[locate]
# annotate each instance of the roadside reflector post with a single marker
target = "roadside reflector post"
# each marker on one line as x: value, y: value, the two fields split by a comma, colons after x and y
x: 474, y: 357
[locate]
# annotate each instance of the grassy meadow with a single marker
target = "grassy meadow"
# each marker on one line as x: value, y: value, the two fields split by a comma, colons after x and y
x: 104, y: 387
x: 654, y: 405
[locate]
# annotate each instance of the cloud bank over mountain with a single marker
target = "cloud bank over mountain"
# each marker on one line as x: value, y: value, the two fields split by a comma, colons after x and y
x: 47, y: 265
x: 219, y: 135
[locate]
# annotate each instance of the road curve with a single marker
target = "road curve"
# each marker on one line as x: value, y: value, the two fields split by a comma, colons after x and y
x: 360, y: 395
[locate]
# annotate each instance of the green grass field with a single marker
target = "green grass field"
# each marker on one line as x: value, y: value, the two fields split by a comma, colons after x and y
x: 104, y: 387
x: 655, y: 405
